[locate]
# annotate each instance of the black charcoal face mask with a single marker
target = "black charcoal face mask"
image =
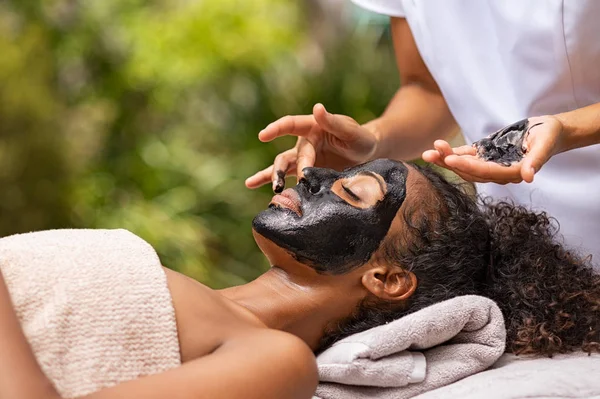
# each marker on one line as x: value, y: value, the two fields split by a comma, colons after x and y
x: 331, y: 235
x: 506, y: 145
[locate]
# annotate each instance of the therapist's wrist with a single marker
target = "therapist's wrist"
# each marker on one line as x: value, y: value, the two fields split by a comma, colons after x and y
x: 374, y: 127
x: 571, y: 134
x: 581, y: 127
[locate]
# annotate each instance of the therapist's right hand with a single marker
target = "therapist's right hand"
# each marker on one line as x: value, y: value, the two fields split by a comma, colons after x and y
x: 324, y: 140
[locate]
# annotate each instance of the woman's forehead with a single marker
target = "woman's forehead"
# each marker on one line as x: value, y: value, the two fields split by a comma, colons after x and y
x: 420, y: 195
x: 419, y: 189
x: 414, y: 177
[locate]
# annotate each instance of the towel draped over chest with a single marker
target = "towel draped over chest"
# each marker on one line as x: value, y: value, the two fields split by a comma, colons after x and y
x: 94, y: 306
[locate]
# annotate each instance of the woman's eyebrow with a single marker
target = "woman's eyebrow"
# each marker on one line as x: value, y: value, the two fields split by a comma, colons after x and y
x: 376, y: 177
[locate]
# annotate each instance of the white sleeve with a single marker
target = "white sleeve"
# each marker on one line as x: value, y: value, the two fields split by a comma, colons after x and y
x: 393, y: 8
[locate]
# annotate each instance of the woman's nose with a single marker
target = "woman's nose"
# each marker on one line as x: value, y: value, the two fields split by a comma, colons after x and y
x: 317, y: 178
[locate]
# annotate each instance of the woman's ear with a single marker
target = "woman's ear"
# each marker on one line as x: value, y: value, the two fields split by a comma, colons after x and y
x: 390, y: 283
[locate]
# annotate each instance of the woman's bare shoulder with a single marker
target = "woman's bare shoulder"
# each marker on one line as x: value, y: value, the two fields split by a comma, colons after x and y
x: 261, y: 364
x: 214, y: 332
x: 283, y: 363
x: 204, y: 320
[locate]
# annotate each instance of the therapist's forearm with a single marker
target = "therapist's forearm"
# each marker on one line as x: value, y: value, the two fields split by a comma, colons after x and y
x: 20, y: 375
x: 581, y: 127
x: 413, y: 120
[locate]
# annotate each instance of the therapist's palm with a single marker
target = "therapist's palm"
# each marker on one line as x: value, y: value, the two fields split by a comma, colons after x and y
x: 543, y: 141
x: 324, y: 140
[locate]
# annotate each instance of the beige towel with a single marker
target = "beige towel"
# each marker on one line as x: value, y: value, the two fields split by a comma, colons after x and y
x: 94, y: 305
x: 414, y: 354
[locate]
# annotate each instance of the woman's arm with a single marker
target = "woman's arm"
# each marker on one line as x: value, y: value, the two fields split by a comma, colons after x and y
x: 263, y: 364
x: 20, y: 374
x: 268, y: 364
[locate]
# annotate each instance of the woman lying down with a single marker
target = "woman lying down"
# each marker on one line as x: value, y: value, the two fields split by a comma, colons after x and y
x: 349, y: 251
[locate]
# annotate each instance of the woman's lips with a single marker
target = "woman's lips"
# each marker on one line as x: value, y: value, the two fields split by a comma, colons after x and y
x: 288, y: 199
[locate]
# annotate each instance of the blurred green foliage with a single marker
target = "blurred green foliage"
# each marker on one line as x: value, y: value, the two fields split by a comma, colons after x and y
x: 143, y: 115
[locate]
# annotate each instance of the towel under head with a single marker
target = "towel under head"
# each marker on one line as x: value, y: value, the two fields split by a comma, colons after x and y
x: 416, y: 353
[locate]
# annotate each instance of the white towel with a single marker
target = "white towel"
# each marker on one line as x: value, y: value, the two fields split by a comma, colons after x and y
x: 94, y: 305
x: 571, y: 375
x: 414, y: 354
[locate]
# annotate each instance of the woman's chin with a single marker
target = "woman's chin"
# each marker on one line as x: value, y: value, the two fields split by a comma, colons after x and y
x: 277, y: 256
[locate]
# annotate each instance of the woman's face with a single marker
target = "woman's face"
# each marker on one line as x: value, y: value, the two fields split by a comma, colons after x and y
x: 335, y: 221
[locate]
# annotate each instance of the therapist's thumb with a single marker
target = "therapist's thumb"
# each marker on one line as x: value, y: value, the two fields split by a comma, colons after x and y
x: 533, y: 162
x: 341, y: 126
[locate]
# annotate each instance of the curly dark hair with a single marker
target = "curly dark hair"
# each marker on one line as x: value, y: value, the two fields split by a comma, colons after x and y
x: 459, y: 245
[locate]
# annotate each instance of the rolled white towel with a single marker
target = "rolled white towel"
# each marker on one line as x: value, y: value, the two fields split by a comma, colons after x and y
x: 416, y: 353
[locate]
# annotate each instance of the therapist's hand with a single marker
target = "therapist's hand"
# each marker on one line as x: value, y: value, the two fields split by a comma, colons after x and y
x: 543, y: 140
x: 324, y: 139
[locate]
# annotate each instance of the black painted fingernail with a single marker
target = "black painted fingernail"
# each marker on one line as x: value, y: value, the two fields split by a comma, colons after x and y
x: 280, y: 181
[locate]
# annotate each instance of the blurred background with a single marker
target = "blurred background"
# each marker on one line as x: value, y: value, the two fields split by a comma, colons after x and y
x: 144, y: 115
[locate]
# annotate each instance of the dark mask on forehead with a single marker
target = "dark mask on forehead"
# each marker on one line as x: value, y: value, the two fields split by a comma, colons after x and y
x: 331, y: 235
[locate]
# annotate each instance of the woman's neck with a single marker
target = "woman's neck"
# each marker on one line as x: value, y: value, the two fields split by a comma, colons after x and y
x: 300, y: 309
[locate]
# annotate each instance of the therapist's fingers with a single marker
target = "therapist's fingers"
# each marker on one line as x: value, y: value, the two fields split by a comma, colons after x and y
x: 282, y: 163
x: 532, y: 163
x: 260, y: 178
x: 540, y: 147
x: 432, y: 156
x: 464, y: 150
x: 290, y: 125
x: 484, y: 171
x: 443, y: 147
x: 265, y: 176
x: 476, y: 179
x: 436, y: 156
x: 442, y: 150
x: 307, y: 156
x: 341, y: 126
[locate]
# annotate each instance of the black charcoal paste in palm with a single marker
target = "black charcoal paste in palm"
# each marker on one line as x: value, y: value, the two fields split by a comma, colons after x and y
x: 504, y: 146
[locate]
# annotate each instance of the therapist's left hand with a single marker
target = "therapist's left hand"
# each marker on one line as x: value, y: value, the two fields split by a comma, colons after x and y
x: 543, y: 140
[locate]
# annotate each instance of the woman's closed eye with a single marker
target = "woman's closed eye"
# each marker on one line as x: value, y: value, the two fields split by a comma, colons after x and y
x: 361, y: 191
x: 351, y: 193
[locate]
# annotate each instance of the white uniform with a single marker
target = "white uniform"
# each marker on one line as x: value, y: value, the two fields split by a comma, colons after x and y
x: 499, y: 61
